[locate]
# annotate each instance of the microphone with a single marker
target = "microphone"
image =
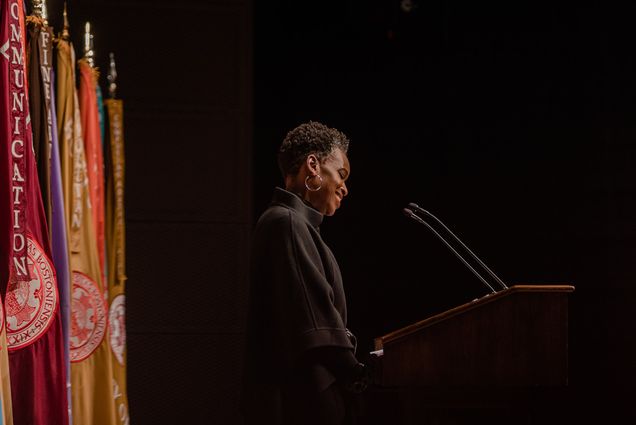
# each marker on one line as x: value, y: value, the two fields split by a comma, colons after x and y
x: 481, y: 263
x: 409, y: 213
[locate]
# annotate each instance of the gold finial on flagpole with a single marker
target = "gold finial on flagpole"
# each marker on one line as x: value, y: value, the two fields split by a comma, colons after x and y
x: 65, y: 34
x: 40, y: 11
x: 45, y: 13
x: 112, y: 77
x: 89, y: 54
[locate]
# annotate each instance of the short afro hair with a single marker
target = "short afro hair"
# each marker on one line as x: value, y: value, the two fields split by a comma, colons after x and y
x: 311, y: 137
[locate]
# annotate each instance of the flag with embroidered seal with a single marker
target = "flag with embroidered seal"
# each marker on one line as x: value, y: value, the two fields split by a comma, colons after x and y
x: 31, y: 301
x: 91, y: 364
x: 7, y: 192
x: 116, y: 253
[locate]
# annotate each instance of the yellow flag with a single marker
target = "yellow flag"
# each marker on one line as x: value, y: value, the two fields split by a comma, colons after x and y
x: 67, y: 133
x: 91, y: 363
x: 116, y: 256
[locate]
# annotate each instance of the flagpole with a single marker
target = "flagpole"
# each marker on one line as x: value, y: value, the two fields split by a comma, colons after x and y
x: 112, y: 77
x: 66, y: 36
x: 89, y: 53
x: 40, y: 10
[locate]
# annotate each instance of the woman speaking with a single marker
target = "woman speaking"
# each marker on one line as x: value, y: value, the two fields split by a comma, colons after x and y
x: 300, y: 361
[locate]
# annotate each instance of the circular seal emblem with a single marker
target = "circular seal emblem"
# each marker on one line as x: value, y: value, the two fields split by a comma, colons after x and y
x: 30, y: 304
x: 88, y: 317
x: 117, y: 327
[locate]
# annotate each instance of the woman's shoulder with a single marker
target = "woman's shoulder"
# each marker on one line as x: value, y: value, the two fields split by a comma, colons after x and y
x: 280, y: 218
x: 275, y: 215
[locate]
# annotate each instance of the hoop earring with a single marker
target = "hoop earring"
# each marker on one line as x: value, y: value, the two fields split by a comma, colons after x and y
x: 307, y: 181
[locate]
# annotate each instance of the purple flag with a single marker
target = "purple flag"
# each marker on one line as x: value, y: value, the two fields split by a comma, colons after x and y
x: 60, y: 246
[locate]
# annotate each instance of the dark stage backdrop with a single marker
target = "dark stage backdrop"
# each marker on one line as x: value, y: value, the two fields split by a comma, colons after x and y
x: 185, y: 76
x: 515, y: 123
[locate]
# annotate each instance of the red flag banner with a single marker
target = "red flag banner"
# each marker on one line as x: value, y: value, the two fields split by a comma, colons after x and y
x: 10, y: 151
x: 34, y: 328
x: 94, y: 156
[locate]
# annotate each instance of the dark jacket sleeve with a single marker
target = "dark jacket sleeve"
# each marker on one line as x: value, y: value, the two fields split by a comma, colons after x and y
x: 307, y: 311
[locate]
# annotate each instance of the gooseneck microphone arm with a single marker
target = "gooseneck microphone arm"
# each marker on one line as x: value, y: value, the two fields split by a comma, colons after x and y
x: 481, y: 263
x: 415, y: 217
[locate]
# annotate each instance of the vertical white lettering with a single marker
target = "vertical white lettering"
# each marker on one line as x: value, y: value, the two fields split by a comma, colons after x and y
x: 44, y: 36
x: 17, y: 56
x: 14, y: 10
x: 20, y: 265
x: 16, y: 194
x: 15, y: 33
x: 116, y: 390
x: 19, y: 78
x: 17, y: 177
x: 46, y: 74
x: 14, y: 150
x: 18, y: 237
x: 17, y: 145
x: 19, y: 102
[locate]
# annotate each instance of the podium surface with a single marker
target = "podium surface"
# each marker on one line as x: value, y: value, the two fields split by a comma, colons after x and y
x: 516, y: 337
x: 499, y: 359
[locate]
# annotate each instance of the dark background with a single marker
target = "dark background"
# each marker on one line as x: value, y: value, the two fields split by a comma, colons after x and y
x: 514, y: 122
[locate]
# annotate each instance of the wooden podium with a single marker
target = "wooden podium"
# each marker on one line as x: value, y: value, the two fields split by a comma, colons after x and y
x: 504, y: 349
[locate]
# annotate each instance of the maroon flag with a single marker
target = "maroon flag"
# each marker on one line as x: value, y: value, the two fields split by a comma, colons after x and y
x: 34, y: 327
x: 39, y: 60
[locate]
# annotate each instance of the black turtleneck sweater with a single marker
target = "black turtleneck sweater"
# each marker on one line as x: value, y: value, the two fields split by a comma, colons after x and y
x: 296, y: 336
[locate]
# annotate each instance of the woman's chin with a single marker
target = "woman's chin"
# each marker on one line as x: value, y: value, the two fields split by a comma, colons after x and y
x: 331, y: 210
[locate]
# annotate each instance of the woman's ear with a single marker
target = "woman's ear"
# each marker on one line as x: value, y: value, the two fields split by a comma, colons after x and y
x: 313, y: 164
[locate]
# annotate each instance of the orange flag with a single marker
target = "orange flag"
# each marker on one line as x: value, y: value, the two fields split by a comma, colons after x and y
x: 94, y: 156
x: 91, y: 364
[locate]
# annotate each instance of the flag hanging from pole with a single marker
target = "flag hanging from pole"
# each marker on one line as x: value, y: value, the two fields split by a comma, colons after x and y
x: 102, y: 134
x: 39, y: 61
x: 116, y: 255
x: 93, y: 148
x: 68, y: 134
x: 33, y: 323
x: 7, y: 256
x: 46, y: 149
x: 60, y: 245
x: 91, y: 365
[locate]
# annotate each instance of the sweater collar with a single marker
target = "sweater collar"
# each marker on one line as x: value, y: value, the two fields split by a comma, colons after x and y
x: 295, y: 202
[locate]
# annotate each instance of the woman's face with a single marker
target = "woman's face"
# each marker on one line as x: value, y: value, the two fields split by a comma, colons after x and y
x: 334, y: 172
